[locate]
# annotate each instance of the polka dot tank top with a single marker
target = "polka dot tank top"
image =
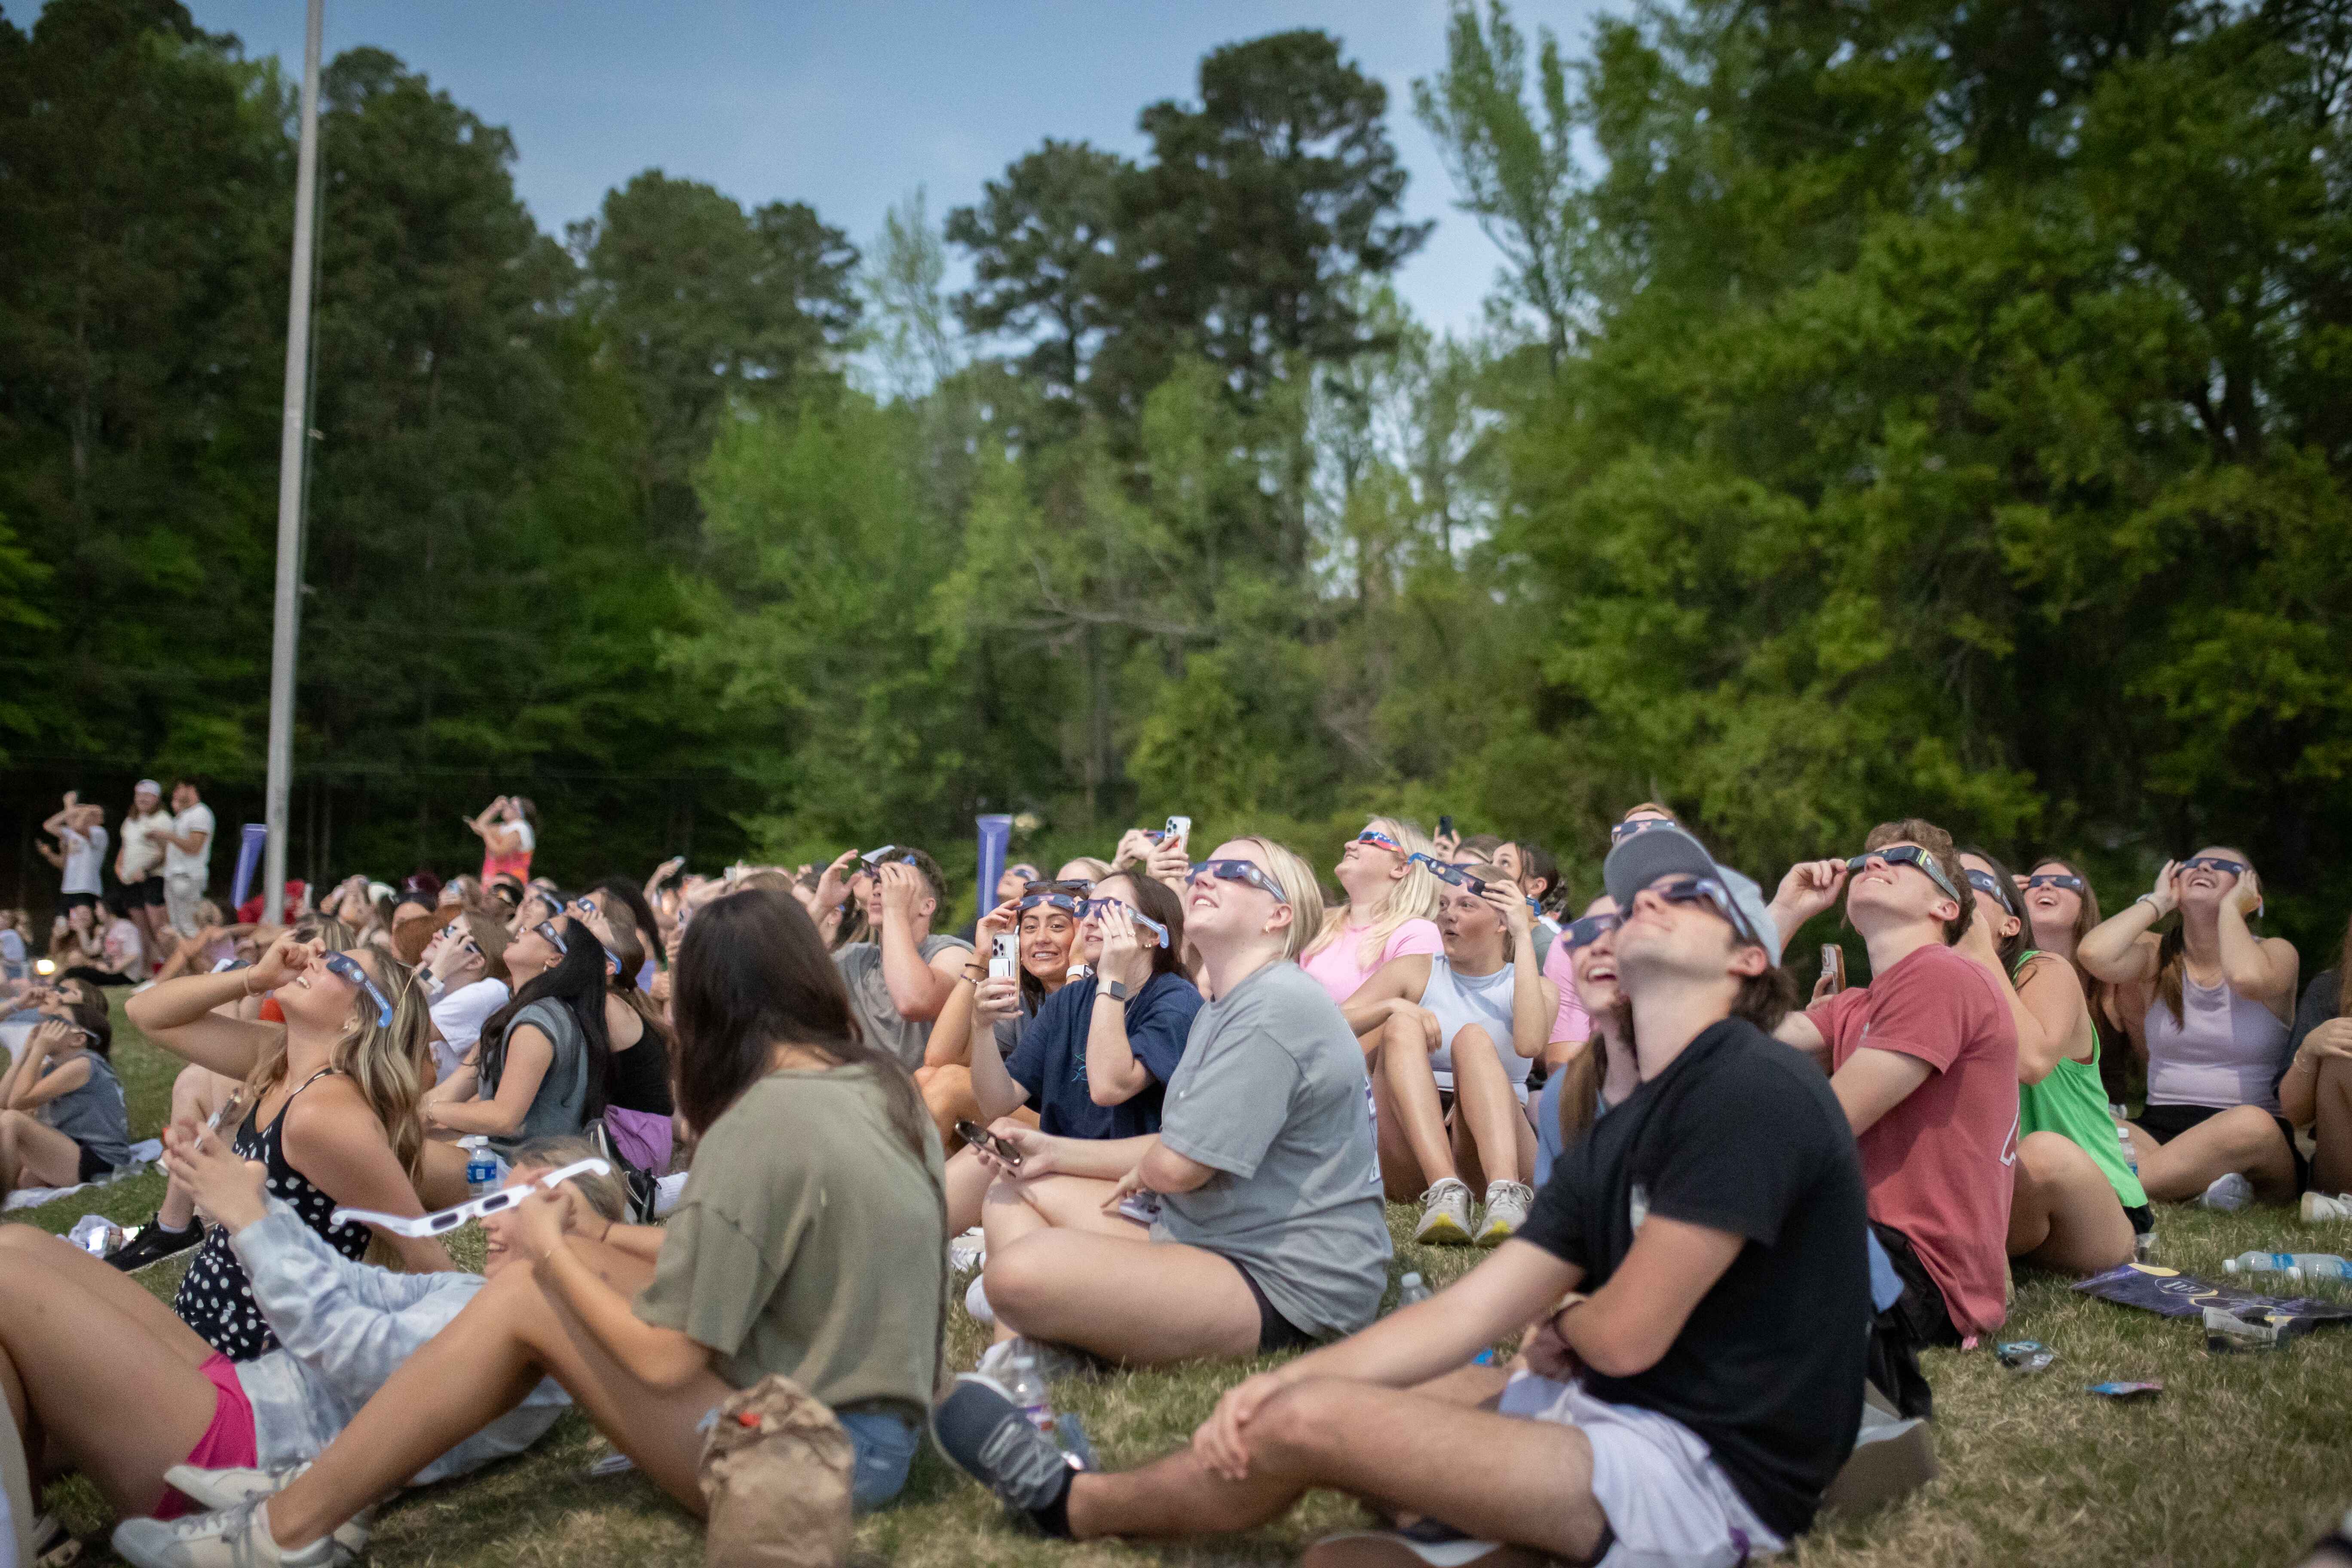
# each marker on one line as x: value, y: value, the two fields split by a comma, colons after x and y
x: 215, y: 1298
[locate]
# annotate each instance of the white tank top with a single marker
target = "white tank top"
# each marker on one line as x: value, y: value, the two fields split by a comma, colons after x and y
x: 1481, y: 999
x: 2225, y: 1050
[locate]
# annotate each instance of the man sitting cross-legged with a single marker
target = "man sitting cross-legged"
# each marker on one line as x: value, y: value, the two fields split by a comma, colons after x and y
x: 1695, y: 1270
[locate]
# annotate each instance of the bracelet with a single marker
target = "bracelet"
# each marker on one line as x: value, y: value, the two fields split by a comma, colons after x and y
x: 2149, y: 899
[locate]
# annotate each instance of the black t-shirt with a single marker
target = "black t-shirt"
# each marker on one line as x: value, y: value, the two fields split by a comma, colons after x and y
x: 1741, y: 1134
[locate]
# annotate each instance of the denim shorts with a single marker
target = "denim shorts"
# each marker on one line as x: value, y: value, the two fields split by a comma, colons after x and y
x: 885, y: 1443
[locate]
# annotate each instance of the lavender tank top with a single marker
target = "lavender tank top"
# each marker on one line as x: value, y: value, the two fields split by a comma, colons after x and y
x: 2226, y: 1049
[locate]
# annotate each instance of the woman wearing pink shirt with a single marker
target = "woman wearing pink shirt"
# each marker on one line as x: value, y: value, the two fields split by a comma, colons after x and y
x: 1391, y: 909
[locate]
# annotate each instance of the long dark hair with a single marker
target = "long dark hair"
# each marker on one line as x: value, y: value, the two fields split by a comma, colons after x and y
x: 2172, y: 949
x: 576, y: 984
x: 2010, y: 947
x: 629, y: 893
x: 754, y: 975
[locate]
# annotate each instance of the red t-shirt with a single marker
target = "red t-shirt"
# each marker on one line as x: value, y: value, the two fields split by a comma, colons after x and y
x: 1939, y: 1165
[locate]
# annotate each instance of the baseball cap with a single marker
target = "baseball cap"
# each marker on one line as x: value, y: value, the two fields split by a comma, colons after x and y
x: 146, y: 787
x: 1644, y: 858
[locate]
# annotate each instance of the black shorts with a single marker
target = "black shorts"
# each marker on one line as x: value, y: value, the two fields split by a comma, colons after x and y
x: 92, y: 1165
x: 2166, y: 1123
x: 1917, y: 1319
x: 96, y: 976
x: 1275, y: 1331
x: 68, y: 902
x: 147, y: 892
x: 2143, y: 1219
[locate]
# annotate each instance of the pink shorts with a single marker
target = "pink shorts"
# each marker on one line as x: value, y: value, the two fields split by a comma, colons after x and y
x: 228, y: 1442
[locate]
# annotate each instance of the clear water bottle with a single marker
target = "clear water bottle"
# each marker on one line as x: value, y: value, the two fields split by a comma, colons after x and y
x: 481, y: 1167
x: 1411, y: 1289
x: 2131, y: 1155
x: 1027, y: 1385
x: 2294, y: 1265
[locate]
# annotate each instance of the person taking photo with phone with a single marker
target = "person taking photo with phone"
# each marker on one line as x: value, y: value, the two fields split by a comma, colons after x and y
x: 901, y: 974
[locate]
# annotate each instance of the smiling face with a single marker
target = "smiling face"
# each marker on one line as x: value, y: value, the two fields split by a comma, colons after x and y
x: 184, y: 796
x: 1045, y: 936
x: 323, y: 999
x: 1366, y: 869
x: 1995, y: 915
x: 1219, y: 914
x: 2204, y: 887
x: 2056, y: 912
x: 530, y: 953
x: 1882, y: 893
x: 1663, y: 941
x: 499, y: 1234
x: 1593, y: 966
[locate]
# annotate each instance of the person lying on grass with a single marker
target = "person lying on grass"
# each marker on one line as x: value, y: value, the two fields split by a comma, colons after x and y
x: 1695, y: 1271
x: 104, y: 1378
x: 809, y: 1244
x: 1270, y: 1234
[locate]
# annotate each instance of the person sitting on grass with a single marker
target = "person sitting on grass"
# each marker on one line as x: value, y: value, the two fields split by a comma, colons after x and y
x: 902, y: 972
x: 118, y: 1388
x: 2067, y: 1211
x: 63, y: 1121
x: 1390, y: 912
x: 1270, y: 1233
x: 1043, y: 922
x: 328, y: 1100
x: 1085, y: 1070
x: 2316, y: 1090
x: 1695, y: 1277
x: 1463, y: 1028
x: 1583, y: 1089
x: 809, y: 1244
x: 1923, y: 1058
x: 2217, y: 1002
x: 541, y: 1066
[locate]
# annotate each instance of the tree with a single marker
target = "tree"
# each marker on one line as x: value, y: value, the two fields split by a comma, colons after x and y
x: 705, y: 306
x: 909, y: 325
x: 1044, y: 241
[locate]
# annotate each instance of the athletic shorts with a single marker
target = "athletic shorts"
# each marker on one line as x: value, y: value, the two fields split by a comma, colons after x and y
x: 1275, y: 1331
x: 2166, y: 1123
x: 147, y: 892
x: 68, y: 902
x: 92, y: 1164
x: 228, y: 1443
x: 1668, y: 1504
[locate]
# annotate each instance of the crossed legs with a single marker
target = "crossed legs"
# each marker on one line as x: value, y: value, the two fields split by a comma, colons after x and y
x: 2331, y: 1166
x: 2242, y: 1139
x: 2064, y: 1216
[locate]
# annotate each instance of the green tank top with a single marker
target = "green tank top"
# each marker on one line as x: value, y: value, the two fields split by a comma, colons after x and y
x: 2072, y: 1103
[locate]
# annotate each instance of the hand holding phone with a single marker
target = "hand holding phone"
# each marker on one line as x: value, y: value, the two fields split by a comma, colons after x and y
x: 1006, y: 1152
x: 1003, y: 957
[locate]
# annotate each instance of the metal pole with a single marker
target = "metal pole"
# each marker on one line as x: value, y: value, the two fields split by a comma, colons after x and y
x: 293, y: 457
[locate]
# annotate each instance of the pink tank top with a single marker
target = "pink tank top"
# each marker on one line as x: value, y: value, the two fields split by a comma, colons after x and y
x: 2225, y: 1050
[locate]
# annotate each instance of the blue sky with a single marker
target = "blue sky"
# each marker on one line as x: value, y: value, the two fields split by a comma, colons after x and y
x: 851, y: 106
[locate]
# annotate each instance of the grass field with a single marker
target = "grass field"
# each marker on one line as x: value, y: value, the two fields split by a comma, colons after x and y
x: 2242, y: 1460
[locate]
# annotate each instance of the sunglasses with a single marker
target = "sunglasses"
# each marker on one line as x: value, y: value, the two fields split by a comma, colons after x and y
x: 554, y: 936
x: 346, y: 968
x: 1908, y: 855
x: 2072, y: 884
x: 1075, y: 887
x: 1685, y: 888
x: 1099, y: 906
x: 1236, y: 871
x: 1373, y: 836
x: 1455, y: 876
x: 2214, y: 863
x: 1062, y: 902
x: 1986, y: 882
x: 583, y: 907
x: 1624, y: 830
x: 443, y: 1221
x: 1590, y: 929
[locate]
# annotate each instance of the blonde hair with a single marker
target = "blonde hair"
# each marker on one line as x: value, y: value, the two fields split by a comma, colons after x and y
x: 1296, y: 878
x: 1096, y: 870
x: 1412, y: 897
x: 604, y: 1194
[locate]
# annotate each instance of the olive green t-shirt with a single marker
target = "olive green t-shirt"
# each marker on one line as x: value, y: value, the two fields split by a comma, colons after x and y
x: 809, y: 1242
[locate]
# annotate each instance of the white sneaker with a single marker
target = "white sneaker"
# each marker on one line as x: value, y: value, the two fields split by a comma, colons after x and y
x: 967, y: 1251
x: 1055, y: 1361
x: 227, y: 1538
x: 1444, y: 1215
x: 975, y: 1302
x: 2319, y: 1208
x: 1506, y: 1209
x: 2228, y: 1194
x: 228, y: 1487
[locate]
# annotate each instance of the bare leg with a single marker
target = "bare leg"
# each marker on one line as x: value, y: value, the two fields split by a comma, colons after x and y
x: 1018, y: 1207
x: 2242, y: 1139
x: 1486, y: 1108
x: 32, y: 1155
x: 196, y: 1093
x: 947, y: 1095
x: 1139, y: 1302
x: 2064, y: 1214
x: 2331, y: 1166
x: 1401, y: 1173
x: 1412, y: 1097
x: 1532, y: 1484
x: 967, y: 1182
x: 442, y: 1181
x: 481, y: 1366
x: 96, y: 1370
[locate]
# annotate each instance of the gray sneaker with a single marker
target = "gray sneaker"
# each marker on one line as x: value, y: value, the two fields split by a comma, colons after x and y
x: 1506, y: 1209
x: 227, y: 1538
x: 2320, y: 1209
x: 1444, y: 1215
x: 228, y: 1487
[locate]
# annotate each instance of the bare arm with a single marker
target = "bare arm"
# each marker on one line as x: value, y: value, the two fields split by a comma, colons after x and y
x: 1801, y: 1032
x: 2050, y: 1010
x: 2263, y: 968
x: 529, y: 1055
x: 1114, y: 1074
x: 2121, y: 949
x: 1399, y: 979
x: 178, y: 1015
x: 334, y: 1140
x: 660, y: 1357
x: 1873, y: 1082
x: 951, y: 1033
x: 993, y: 1088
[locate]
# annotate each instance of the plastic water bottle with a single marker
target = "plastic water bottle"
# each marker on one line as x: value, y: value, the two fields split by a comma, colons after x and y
x: 1411, y: 1289
x: 2131, y: 1155
x: 1029, y: 1391
x: 482, y: 1168
x: 2295, y: 1265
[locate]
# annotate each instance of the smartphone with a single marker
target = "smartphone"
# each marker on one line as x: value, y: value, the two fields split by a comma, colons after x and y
x: 1003, y: 956
x: 1179, y: 827
x: 1140, y: 1206
x: 1833, y: 966
x: 1005, y: 1150
x: 1445, y: 827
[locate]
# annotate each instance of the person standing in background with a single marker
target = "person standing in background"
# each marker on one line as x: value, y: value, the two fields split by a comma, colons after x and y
x: 80, y: 854
x: 509, y: 829
x: 139, y: 861
x: 187, y: 855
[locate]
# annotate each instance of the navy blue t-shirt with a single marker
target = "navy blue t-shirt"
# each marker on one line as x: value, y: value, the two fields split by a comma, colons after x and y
x: 1051, y: 1061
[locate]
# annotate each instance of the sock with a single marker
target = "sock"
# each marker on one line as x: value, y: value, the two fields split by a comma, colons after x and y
x: 1054, y: 1518
x: 172, y: 1229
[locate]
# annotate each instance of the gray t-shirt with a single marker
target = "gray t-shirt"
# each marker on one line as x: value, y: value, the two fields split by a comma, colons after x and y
x: 94, y: 1115
x: 559, y: 1109
x: 869, y: 997
x: 1272, y: 1094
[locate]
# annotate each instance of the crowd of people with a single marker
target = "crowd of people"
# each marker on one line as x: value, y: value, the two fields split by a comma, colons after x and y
x: 1159, y: 1106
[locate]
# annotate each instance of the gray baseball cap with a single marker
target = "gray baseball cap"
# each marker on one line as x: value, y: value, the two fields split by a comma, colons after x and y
x: 1664, y: 851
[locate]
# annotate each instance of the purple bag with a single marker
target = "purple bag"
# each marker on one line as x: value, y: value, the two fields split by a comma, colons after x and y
x: 639, y: 1137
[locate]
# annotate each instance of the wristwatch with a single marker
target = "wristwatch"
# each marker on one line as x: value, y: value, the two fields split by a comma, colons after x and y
x: 1116, y: 989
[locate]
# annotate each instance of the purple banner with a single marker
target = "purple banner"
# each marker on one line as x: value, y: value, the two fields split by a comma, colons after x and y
x: 995, y: 839
x: 251, y: 842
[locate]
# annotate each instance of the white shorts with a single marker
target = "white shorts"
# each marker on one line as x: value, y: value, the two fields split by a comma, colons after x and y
x: 183, y: 890
x: 1667, y: 1502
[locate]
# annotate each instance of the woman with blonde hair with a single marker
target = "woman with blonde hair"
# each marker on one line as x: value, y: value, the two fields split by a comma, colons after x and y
x: 330, y: 1103
x: 1269, y: 1232
x: 1390, y: 912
